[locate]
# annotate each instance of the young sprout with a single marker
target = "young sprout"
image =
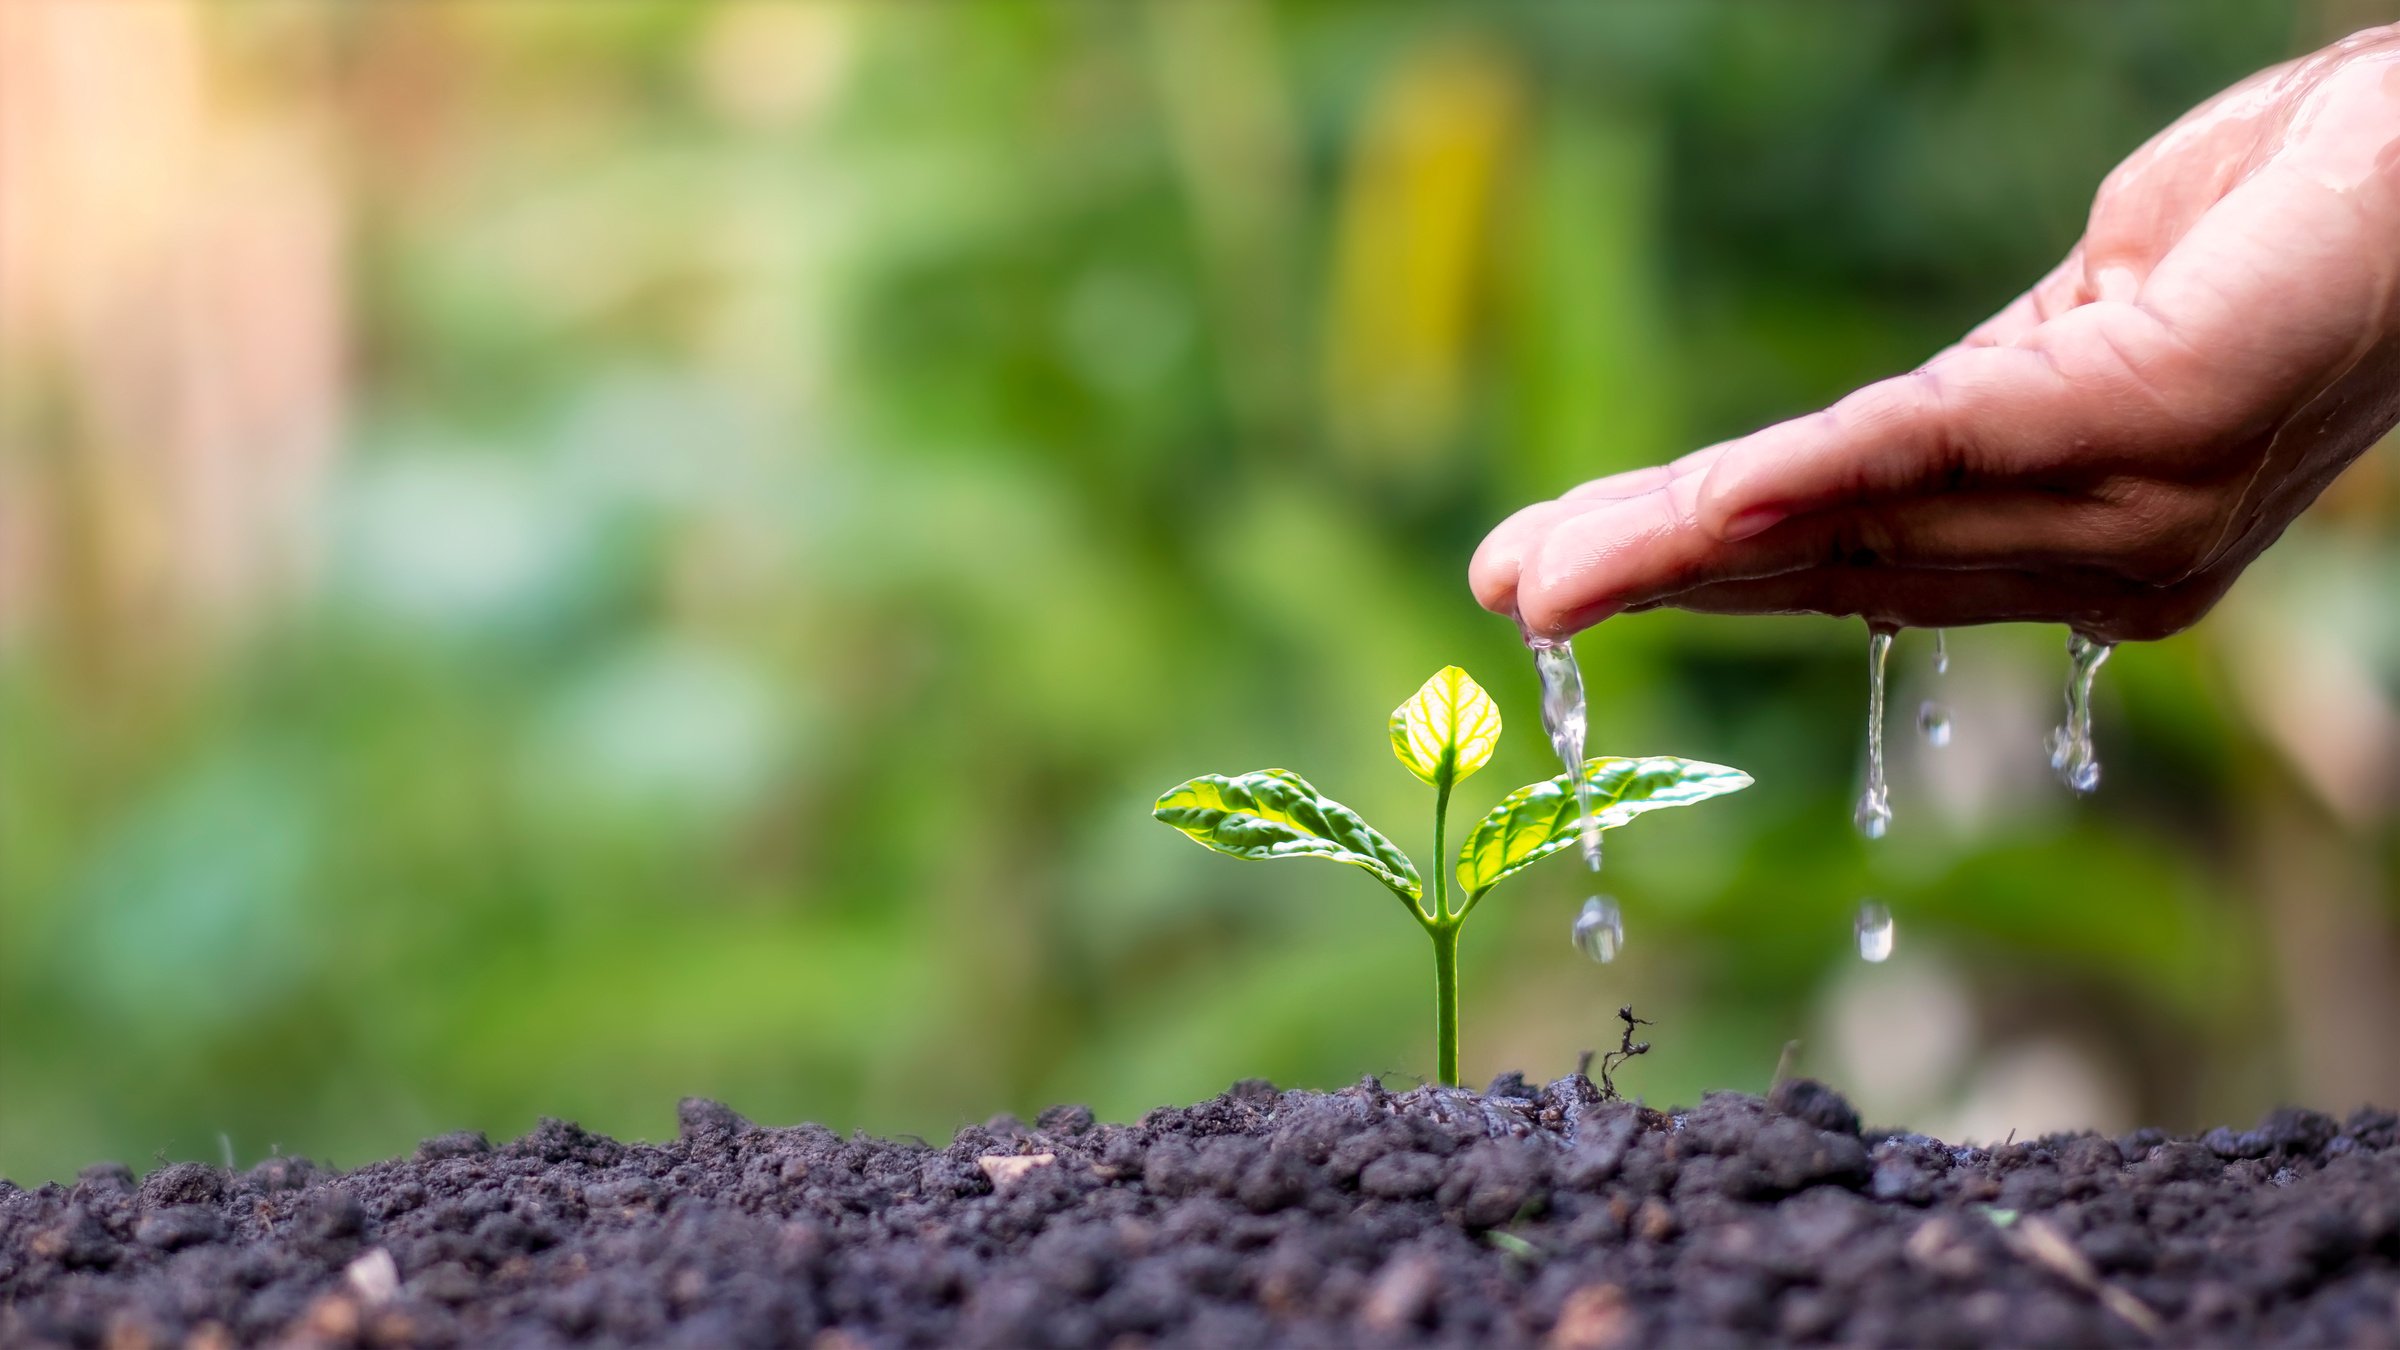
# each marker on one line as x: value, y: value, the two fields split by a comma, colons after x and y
x: 1443, y: 734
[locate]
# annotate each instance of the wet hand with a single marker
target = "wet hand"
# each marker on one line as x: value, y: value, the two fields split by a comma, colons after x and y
x: 2109, y: 451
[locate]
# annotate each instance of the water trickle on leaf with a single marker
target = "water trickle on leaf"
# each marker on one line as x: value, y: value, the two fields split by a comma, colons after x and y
x: 2072, y: 757
x: 1941, y: 651
x: 1873, y: 815
x: 1563, y: 716
x: 1875, y: 931
x: 1600, y: 929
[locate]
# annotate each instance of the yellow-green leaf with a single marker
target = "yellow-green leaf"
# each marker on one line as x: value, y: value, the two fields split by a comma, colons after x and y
x: 1446, y: 730
x: 1275, y: 813
x: 1538, y: 820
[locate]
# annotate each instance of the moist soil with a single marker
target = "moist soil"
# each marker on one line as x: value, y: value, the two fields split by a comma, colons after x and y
x: 1518, y: 1216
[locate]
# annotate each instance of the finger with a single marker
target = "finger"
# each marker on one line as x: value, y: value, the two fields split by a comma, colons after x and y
x: 1620, y: 555
x: 1900, y: 596
x: 1631, y: 483
x: 1635, y: 482
x: 2105, y: 608
x: 1492, y: 573
x: 2056, y: 293
x: 1572, y: 574
x: 1981, y: 416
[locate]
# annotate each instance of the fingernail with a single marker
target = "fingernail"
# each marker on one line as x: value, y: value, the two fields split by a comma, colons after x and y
x: 1756, y: 520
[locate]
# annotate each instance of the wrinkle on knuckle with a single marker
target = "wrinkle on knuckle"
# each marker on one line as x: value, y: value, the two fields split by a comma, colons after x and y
x: 1900, y: 424
x: 1943, y: 448
x: 1902, y: 398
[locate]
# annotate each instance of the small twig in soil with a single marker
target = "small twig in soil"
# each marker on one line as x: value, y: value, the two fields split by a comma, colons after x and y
x: 1626, y: 1049
x: 2039, y: 1242
x: 1583, y: 1064
x: 1515, y: 1246
x: 1783, y: 1065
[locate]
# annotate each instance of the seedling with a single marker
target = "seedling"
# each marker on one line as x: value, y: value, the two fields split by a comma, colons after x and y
x: 1443, y: 734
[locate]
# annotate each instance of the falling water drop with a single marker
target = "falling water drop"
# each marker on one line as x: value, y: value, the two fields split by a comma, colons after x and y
x: 1933, y: 719
x: 1875, y: 931
x: 1600, y: 929
x: 2072, y: 756
x: 1874, y: 814
x: 1933, y: 723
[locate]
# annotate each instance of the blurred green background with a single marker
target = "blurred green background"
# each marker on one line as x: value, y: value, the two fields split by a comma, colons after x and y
x: 557, y: 555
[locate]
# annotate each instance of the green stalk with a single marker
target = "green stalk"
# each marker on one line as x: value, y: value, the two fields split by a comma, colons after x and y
x: 1441, y: 852
x: 1445, y: 999
x: 1444, y: 932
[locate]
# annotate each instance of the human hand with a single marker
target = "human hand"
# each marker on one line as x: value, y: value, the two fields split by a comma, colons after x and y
x: 2109, y: 451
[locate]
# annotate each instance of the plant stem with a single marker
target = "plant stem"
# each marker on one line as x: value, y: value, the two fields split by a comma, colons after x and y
x: 1441, y: 853
x: 1442, y: 927
x: 1445, y: 999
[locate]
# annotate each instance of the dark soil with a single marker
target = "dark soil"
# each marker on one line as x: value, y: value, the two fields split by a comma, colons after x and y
x: 1516, y: 1217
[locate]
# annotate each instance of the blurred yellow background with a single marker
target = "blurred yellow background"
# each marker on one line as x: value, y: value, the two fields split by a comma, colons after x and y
x: 556, y: 555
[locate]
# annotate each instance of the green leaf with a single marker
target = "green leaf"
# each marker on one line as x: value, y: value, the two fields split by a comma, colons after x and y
x: 1275, y: 813
x: 1538, y: 820
x: 1447, y: 729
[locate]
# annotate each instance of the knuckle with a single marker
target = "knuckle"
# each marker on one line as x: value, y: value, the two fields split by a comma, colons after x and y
x: 1918, y: 393
x: 2115, y: 186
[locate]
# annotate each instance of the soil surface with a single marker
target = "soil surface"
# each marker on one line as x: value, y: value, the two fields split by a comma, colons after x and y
x: 1519, y: 1216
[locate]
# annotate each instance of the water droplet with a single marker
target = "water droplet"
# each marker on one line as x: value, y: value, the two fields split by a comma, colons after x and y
x: 1941, y: 651
x: 2072, y: 756
x: 1875, y: 931
x: 1600, y: 929
x: 1564, y: 717
x: 1933, y: 723
x: 1874, y: 813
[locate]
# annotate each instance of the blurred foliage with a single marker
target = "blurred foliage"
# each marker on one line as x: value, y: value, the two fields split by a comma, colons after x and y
x: 813, y: 475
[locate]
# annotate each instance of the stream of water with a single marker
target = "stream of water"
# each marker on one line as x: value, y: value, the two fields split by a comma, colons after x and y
x: 1600, y: 928
x: 1873, y: 814
x: 2072, y: 757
